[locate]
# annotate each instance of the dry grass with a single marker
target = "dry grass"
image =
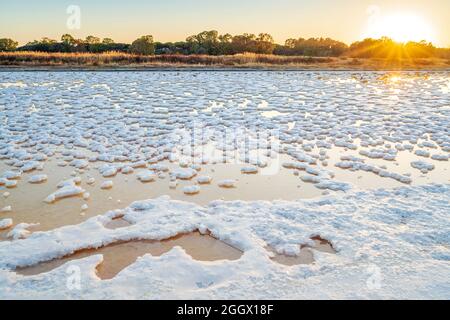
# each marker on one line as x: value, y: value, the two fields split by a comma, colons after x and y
x: 249, y: 60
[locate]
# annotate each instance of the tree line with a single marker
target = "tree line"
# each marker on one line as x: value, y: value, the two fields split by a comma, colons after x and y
x: 213, y: 43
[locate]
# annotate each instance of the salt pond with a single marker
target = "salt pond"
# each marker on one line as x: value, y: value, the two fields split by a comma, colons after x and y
x: 307, y: 151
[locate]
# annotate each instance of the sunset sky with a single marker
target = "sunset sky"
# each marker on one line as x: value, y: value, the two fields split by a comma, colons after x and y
x: 171, y: 20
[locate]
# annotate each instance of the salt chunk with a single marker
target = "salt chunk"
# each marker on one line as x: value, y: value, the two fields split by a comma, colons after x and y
x: 249, y: 170
x: 440, y: 157
x: 6, y: 223
x: 184, y: 173
x: 423, y: 166
x: 159, y: 167
x: 422, y: 153
x: 127, y: 170
x: 39, y: 178
x: 21, y: 231
x: 227, y: 183
x: 11, y: 183
x: 64, y: 192
x: 79, y: 163
x: 106, y: 185
x: 204, y: 179
x: 6, y: 209
x: 191, y: 190
x: 9, y: 175
x: 173, y: 184
x: 146, y: 176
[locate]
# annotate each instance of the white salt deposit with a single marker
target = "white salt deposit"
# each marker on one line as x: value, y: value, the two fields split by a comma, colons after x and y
x: 39, y: 178
x: 249, y: 170
x: 106, y: 185
x: 183, y: 173
x: 361, y: 235
x: 191, y: 189
x: 204, y: 179
x: 5, y: 223
x: 12, y: 174
x: 64, y: 192
x: 96, y: 121
x: 227, y: 183
x: 146, y: 176
x: 6, y: 209
x: 21, y: 231
x: 422, y: 166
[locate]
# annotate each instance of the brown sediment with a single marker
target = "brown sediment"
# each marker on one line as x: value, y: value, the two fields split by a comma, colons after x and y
x: 119, y: 255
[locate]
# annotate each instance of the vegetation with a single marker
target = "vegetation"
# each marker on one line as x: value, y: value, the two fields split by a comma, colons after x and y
x: 318, y: 47
x: 211, y: 48
x: 143, y: 46
x: 388, y: 49
x: 8, y: 44
x: 241, y: 60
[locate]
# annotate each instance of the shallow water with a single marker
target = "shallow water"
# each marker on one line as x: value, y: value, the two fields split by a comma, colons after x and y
x: 118, y: 256
x: 124, y: 115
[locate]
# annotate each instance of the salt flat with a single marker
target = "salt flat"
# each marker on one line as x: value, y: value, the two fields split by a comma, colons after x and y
x: 257, y: 159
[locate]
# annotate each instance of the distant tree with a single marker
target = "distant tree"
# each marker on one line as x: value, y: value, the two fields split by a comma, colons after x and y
x: 92, y: 40
x: 243, y: 43
x: 320, y: 47
x: 46, y: 40
x: 206, y: 42
x: 264, y: 43
x: 108, y: 41
x: 8, y: 44
x: 226, y: 38
x: 386, y: 48
x: 143, y: 46
x: 68, y: 39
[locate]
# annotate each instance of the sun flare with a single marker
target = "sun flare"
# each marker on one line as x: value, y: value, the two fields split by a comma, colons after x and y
x: 402, y: 28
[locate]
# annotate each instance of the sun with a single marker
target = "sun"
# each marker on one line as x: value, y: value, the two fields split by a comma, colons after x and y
x: 401, y: 28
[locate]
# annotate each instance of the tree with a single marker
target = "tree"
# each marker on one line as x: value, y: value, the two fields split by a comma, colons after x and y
x: 243, y: 43
x: 46, y: 40
x: 225, y: 38
x: 143, y: 46
x: 206, y: 42
x: 318, y: 47
x: 108, y: 41
x: 68, y: 39
x: 265, y: 43
x: 92, y: 40
x: 8, y: 45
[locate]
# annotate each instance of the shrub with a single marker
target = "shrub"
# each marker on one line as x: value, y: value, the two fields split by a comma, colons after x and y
x: 143, y: 46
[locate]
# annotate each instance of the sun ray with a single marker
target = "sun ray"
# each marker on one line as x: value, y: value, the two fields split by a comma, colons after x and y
x: 401, y: 27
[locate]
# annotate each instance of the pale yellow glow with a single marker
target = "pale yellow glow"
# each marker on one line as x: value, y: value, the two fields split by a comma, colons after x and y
x: 402, y: 28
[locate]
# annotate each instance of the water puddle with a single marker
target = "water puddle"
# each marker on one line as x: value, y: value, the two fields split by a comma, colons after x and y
x: 118, y: 256
x: 306, y: 255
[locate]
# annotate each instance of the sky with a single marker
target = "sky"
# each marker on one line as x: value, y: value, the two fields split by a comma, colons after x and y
x: 172, y: 20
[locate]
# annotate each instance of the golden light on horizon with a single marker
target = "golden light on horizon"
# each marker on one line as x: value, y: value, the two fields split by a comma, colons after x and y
x: 402, y: 28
